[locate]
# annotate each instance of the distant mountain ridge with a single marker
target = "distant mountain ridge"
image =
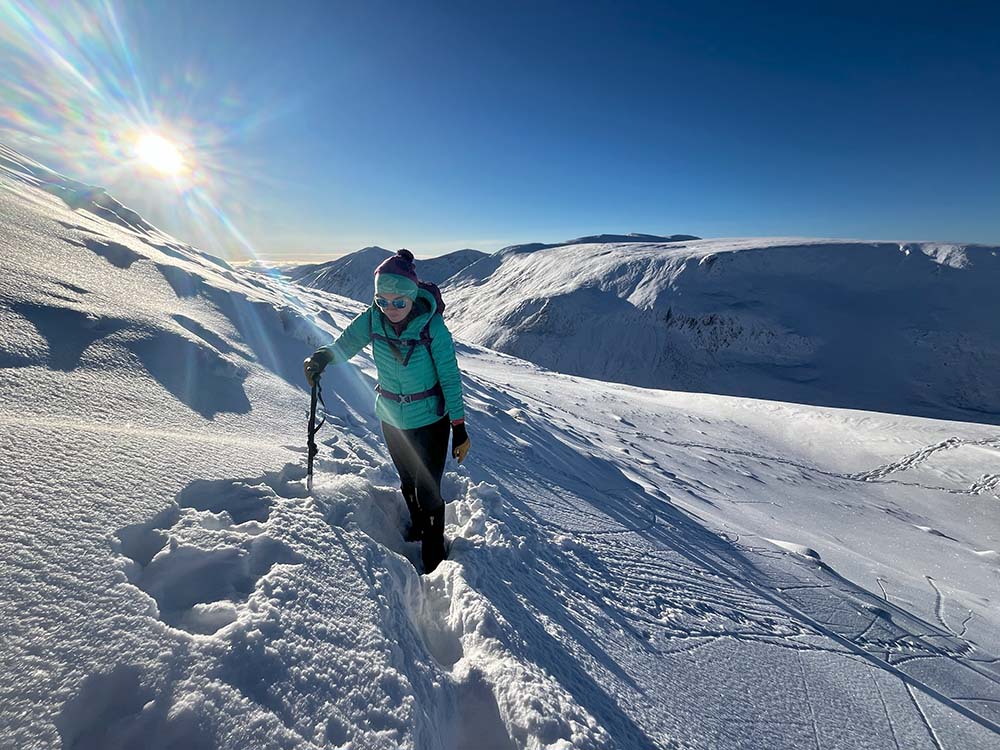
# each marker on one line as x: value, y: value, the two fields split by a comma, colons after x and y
x: 482, y: 268
x: 352, y: 275
x: 908, y: 328
x: 604, y: 239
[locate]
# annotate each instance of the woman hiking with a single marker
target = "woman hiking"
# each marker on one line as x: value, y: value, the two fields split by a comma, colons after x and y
x: 419, y: 390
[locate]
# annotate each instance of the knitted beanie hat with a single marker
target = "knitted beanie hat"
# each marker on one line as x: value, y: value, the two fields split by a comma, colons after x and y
x: 397, y: 275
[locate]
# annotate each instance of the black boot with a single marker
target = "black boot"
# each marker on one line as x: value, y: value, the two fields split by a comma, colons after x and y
x: 415, y: 532
x: 432, y: 550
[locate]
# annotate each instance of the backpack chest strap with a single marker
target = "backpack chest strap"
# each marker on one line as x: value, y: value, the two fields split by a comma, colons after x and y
x: 395, y: 345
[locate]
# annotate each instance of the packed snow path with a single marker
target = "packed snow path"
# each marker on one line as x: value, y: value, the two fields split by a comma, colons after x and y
x: 629, y: 568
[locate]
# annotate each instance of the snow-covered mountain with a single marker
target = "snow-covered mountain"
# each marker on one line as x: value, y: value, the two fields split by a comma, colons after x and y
x: 441, y: 267
x: 629, y: 568
x: 909, y: 328
x: 352, y: 275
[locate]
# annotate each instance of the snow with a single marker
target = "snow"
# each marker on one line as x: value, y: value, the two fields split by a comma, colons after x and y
x: 352, y: 275
x: 629, y: 567
x: 905, y: 328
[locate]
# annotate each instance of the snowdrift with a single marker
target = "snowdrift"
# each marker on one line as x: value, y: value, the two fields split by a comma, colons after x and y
x: 907, y: 328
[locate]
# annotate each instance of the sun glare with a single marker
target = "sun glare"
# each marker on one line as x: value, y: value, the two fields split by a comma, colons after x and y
x: 160, y: 154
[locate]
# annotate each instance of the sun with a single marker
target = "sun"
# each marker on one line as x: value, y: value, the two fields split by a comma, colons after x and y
x: 160, y: 154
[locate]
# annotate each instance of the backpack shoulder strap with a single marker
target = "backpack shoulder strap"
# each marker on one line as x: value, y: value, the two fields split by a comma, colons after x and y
x: 396, y: 344
x: 425, y: 334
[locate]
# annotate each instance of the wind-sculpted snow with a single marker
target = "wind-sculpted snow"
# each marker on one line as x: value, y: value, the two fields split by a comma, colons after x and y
x: 628, y: 568
x: 113, y: 710
x: 909, y: 328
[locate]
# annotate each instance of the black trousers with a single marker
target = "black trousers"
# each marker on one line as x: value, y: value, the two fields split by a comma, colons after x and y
x: 419, y: 455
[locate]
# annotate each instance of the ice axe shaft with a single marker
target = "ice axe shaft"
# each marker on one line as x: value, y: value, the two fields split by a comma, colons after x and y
x: 316, y: 397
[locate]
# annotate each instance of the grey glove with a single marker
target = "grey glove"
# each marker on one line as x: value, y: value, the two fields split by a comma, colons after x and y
x: 314, y: 365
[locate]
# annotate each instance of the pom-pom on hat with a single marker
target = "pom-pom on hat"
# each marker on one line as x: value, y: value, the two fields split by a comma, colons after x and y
x: 397, y: 275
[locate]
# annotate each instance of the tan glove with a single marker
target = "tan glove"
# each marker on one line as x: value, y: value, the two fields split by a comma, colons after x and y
x: 460, y: 442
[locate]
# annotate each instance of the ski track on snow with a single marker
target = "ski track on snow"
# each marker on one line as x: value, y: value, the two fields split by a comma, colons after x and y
x: 859, y: 643
x: 986, y: 483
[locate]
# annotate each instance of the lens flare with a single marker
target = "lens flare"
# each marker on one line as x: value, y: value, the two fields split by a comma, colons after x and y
x: 160, y: 154
x: 78, y: 93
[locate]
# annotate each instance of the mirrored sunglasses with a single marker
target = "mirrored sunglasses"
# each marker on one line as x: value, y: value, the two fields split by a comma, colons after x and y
x: 399, y: 302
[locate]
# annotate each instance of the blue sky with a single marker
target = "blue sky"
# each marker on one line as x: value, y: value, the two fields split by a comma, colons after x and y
x: 319, y: 128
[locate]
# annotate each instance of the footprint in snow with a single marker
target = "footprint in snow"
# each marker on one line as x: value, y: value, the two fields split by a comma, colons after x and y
x: 115, y: 710
x: 201, y: 558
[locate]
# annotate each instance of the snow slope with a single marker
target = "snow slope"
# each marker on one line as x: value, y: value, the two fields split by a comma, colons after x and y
x: 352, y: 275
x: 909, y: 328
x: 630, y: 568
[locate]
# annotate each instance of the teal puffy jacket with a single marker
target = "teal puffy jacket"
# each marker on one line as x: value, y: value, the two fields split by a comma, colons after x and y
x: 422, y: 371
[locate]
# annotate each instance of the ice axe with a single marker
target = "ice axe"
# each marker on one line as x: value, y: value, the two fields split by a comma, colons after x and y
x: 314, y: 427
